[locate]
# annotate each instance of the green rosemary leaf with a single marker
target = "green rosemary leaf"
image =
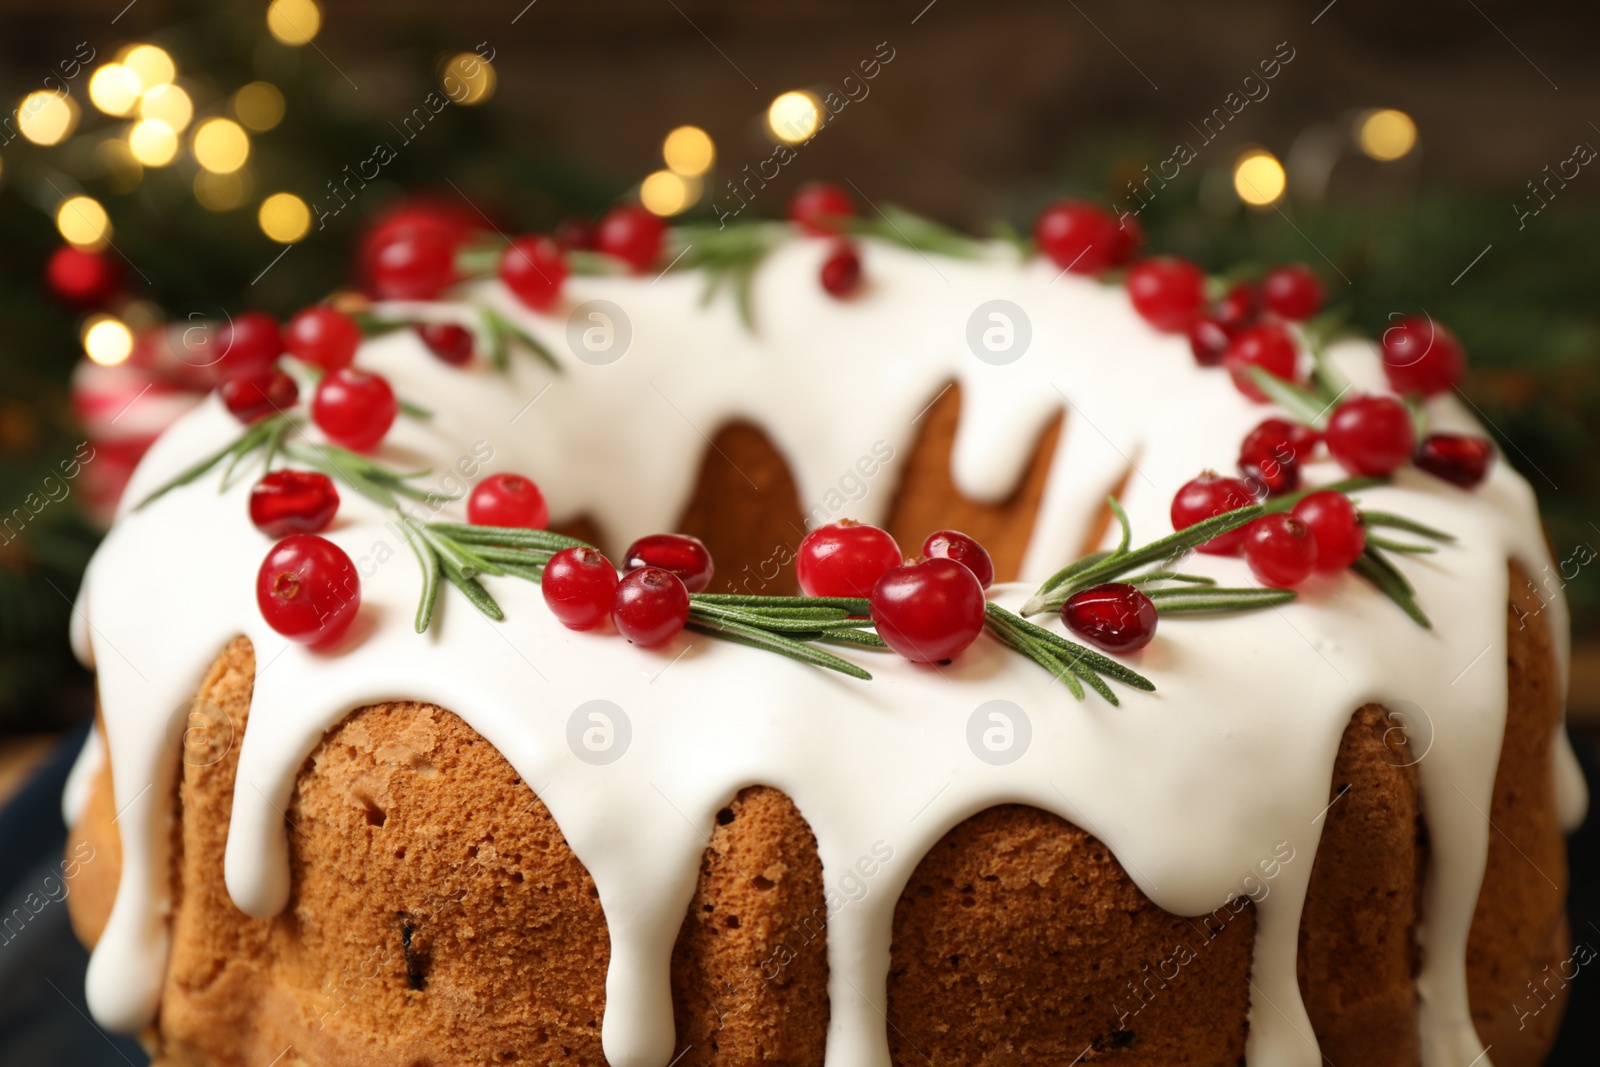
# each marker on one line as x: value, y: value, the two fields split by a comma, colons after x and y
x: 1036, y: 652
x: 415, y: 411
x: 743, y: 278
x: 1122, y: 520
x: 516, y: 557
x: 858, y: 638
x: 189, y: 474
x: 1400, y: 522
x: 499, y: 351
x: 479, y: 259
x: 1372, y: 566
x: 1070, y: 650
x: 1298, y: 402
x: 510, y: 330
x: 581, y: 261
x: 1419, y: 415
x: 1003, y: 230
x: 853, y: 605
x: 469, y: 563
x: 1169, y: 576
x: 1091, y: 679
x: 1401, y: 546
x: 373, y: 326
x: 739, y: 633
x: 904, y: 227
x: 507, y: 536
x: 1065, y: 575
x: 274, y: 444
x: 430, y: 572
x: 254, y: 438
x: 326, y: 458
x: 476, y: 593
x: 1171, y: 601
x: 783, y: 623
x: 1346, y: 486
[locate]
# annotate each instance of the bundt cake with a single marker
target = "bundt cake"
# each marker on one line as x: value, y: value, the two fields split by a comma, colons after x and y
x: 1327, y: 833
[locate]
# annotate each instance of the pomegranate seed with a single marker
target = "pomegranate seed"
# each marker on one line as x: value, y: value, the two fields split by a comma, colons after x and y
x: 1336, y: 526
x: 1169, y: 293
x: 1206, y: 496
x: 255, y: 396
x: 290, y: 502
x: 1280, y: 549
x: 308, y: 590
x: 83, y: 278
x: 685, y: 556
x: 579, y: 585
x: 248, y: 344
x: 574, y: 234
x: 533, y: 268
x: 952, y: 544
x: 1293, y: 292
x: 450, y: 342
x: 651, y: 606
x: 415, y: 263
x: 1083, y: 237
x: 1421, y: 356
x: 354, y: 408
x: 841, y: 271
x: 507, y: 500
x: 1457, y: 458
x: 323, y: 336
x: 1370, y: 434
x: 928, y: 611
x: 1115, y: 617
x: 844, y: 559
x: 632, y: 234
x: 821, y: 209
x: 1267, y: 346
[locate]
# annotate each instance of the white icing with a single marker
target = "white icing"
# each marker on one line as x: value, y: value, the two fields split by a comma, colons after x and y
x: 1191, y: 786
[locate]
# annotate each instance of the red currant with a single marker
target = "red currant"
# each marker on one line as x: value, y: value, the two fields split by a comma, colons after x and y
x: 415, y: 263
x: 450, y: 342
x: 1115, y: 617
x: 650, y: 607
x: 579, y: 585
x: 255, y: 396
x: 685, y: 556
x: 632, y: 234
x: 928, y: 611
x: 507, y: 500
x: 1293, y: 292
x: 1421, y: 356
x: 1337, y: 527
x: 841, y: 271
x: 533, y: 268
x: 308, y: 590
x: 1370, y: 434
x: 354, y: 408
x: 1267, y: 346
x: 952, y: 544
x: 1206, y: 496
x: 1280, y: 549
x: 574, y: 234
x: 1083, y: 237
x: 248, y: 344
x: 1170, y: 293
x: 1457, y: 458
x: 323, y: 336
x: 821, y: 209
x: 81, y: 277
x: 289, y: 502
x: 844, y: 559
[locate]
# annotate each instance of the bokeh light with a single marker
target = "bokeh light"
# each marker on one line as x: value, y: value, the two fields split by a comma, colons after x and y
x: 1258, y: 177
x: 794, y: 116
x: 83, y: 222
x: 153, y: 142
x: 45, y: 118
x: 666, y: 193
x: 107, y: 340
x: 259, y: 105
x: 168, y: 103
x: 294, y: 22
x: 284, y: 217
x: 1386, y: 134
x: 151, y: 65
x: 114, y: 89
x: 467, y: 78
x: 689, y: 151
x: 221, y: 192
x: 221, y: 145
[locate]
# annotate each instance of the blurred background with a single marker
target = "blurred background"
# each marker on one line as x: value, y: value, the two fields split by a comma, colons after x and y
x: 168, y: 162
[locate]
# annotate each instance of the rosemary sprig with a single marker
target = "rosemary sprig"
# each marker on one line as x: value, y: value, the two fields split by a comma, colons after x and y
x: 1067, y: 660
x: 728, y: 256
x: 502, y: 333
x: 1301, y: 403
x: 895, y: 223
x: 1173, y: 600
x: 1376, y: 568
x: 255, y: 436
x: 1400, y: 522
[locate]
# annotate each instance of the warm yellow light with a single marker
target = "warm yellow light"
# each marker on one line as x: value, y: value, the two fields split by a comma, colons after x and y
x: 284, y: 217
x: 259, y: 105
x: 151, y: 65
x: 220, y: 192
x: 221, y: 145
x: 83, y: 222
x: 117, y: 163
x: 45, y: 118
x: 1386, y: 134
x: 294, y: 22
x: 467, y: 78
x: 114, y: 89
x: 107, y: 341
x: 1258, y: 178
x: 689, y: 151
x: 666, y: 193
x: 794, y: 116
x: 153, y: 142
x: 168, y: 103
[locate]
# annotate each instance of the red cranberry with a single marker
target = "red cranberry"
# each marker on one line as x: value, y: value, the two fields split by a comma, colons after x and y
x: 533, y: 268
x: 821, y: 209
x: 1370, y: 434
x: 1293, y: 292
x: 308, y: 590
x: 1237, y: 308
x: 952, y: 544
x: 81, y: 277
x: 255, y: 396
x: 841, y: 271
x: 1272, y: 453
x: 1457, y: 458
x: 289, y: 502
x: 574, y: 234
x: 1169, y: 293
x: 450, y: 342
x: 844, y: 559
x: 651, y: 606
x: 1130, y: 238
x: 1280, y: 549
x: 1337, y: 527
x: 414, y: 263
x: 1422, y: 356
x: 354, y: 408
x: 632, y: 234
x: 1267, y: 346
x: 685, y: 556
x: 928, y: 611
x: 1207, y: 496
x: 1293, y: 439
x: 579, y: 585
x: 1082, y: 237
x: 1115, y: 617
x: 507, y: 500
x: 1208, y: 340
x: 248, y: 344
x: 323, y: 336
